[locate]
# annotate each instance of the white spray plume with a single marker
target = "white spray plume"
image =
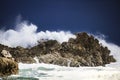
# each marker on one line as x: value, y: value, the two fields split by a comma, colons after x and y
x: 115, y: 50
x: 26, y: 35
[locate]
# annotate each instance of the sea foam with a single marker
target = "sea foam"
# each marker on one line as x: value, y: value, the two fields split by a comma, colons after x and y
x: 26, y: 35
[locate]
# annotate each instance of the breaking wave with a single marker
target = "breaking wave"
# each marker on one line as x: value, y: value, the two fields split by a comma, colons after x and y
x: 26, y: 35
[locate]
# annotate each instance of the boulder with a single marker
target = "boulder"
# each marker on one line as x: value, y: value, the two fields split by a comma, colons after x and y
x: 8, y: 67
x: 7, y: 64
x: 6, y: 54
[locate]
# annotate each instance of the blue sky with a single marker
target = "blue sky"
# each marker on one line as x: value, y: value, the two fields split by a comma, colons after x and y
x: 93, y: 16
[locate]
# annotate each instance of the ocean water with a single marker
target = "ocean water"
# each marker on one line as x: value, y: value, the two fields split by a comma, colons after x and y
x: 41, y: 71
x: 53, y: 72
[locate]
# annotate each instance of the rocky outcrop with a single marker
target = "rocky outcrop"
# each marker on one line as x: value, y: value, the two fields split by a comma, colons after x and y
x: 84, y: 50
x: 7, y: 64
x: 8, y: 67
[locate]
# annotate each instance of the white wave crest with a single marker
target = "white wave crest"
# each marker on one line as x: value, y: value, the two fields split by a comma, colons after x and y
x: 114, y: 50
x: 26, y: 35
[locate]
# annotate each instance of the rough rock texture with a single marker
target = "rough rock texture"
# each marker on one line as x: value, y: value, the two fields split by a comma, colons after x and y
x: 85, y: 50
x: 7, y: 64
x: 7, y: 67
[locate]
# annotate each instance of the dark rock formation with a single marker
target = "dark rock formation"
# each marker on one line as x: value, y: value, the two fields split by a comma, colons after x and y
x: 8, y: 67
x: 7, y: 64
x: 85, y: 50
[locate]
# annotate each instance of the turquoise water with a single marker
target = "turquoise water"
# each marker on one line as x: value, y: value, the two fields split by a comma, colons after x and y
x: 41, y: 71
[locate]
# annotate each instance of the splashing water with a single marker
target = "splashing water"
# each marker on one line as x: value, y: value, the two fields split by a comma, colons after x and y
x: 53, y: 72
x: 41, y: 71
x: 36, y: 59
x: 15, y: 37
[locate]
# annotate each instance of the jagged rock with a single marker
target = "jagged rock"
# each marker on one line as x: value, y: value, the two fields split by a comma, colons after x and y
x: 8, y: 67
x: 84, y: 50
x: 7, y: 64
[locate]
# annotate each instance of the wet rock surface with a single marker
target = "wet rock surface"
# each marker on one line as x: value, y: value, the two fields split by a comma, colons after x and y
x: 84, y: 50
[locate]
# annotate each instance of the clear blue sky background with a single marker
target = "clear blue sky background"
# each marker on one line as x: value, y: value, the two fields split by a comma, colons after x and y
x: 75, y: 15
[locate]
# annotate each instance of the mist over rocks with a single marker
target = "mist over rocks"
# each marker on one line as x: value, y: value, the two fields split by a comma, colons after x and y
x: 26, y: 35
x: 84, y: 50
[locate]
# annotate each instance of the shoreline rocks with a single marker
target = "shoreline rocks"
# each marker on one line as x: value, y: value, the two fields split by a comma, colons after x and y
x: 8, y: 67
x: 7, y: 64
x: 84, y: 50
